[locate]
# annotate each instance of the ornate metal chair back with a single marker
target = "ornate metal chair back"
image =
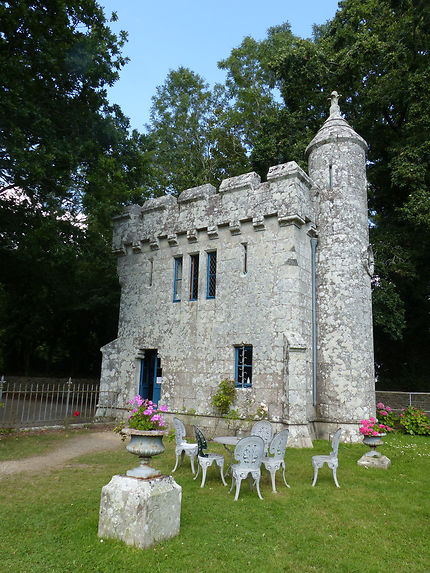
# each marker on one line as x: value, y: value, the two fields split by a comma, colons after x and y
x: 335, y: 442
x: 201, y: 442
x: 179, y: 431
x: 279, y: 444
x: 264, y: 429
x: 249, y: 451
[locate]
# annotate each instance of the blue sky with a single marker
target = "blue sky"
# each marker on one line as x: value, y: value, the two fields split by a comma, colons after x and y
x: 195, y: 34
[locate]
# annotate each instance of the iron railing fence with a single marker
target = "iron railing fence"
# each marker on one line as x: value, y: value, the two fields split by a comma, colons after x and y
x: 28, y: 404
x: 399, y: 400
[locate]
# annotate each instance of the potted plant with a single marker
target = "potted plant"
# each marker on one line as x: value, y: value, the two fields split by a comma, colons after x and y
x: 373, y: 432
x: 146, y: 430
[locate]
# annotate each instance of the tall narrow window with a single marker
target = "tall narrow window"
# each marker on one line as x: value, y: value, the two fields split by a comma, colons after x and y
x: 151, y: 270
x: 177, y: 284
x: 330, y: 177
x: 243, y: 374
x: 211, y: 283
x: 194, y: 277
x: 245, y: 258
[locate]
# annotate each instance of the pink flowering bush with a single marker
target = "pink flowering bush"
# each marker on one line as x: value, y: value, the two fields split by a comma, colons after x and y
x: 385, y: 415
x: 143, y: 415
x: 373, y: 428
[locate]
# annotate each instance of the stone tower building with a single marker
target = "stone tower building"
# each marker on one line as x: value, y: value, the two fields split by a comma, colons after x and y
x: 264, y: 283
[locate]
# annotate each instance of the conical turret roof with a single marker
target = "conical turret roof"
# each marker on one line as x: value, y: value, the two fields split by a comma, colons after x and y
x: 335, y: 128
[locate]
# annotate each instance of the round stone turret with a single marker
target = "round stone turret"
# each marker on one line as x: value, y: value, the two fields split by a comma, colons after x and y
x: 345, y: 369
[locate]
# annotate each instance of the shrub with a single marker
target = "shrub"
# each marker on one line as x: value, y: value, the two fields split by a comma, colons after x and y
x: 414, y: 421
x: 385, y: 415
x: 224, y: 396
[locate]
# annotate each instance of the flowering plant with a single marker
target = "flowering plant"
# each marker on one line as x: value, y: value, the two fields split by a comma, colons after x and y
x: 143, y: 415
x: 385, y: 415
x: 373, y: 428
x: 262, y: 411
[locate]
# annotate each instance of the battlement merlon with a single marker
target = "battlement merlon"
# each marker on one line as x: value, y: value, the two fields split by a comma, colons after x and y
x: 286, y: 194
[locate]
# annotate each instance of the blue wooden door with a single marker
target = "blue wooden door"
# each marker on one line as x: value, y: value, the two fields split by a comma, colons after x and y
x: 156, y: 392
x: 150, y: 375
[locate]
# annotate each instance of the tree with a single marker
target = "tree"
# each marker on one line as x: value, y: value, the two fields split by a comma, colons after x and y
x: 376, y: 53
x: 67, y: 164
x: 191, y: 145
x: 56, y: 59
x: 276, y: 94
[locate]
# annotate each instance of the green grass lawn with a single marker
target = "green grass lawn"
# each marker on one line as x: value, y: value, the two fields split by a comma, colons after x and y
x: 377, y: 522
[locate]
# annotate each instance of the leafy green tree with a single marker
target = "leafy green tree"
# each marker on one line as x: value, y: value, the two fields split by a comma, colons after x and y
x: 381, y: 64
x: 375, y: 53
x: 191, y: 146
x: 67, y: 164
x: 179, y: 126
x: 56, y: 57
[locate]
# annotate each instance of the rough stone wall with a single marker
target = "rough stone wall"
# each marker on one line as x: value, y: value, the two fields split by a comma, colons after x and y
x: 344, y: 310
x: 268, y: 307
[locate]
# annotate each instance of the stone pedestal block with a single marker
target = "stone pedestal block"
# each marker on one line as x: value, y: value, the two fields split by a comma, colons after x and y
x: 374, y: 462
x: 140, y: 512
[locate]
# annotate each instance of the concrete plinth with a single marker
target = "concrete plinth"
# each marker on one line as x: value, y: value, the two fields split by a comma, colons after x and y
x: 374, y: 462
x: 140, y: 512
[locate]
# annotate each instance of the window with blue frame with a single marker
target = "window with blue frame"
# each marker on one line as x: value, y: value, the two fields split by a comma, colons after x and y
x: 194, y: 277
x: 243, y: 370
x: 177, y: 283
x: 211, y: 280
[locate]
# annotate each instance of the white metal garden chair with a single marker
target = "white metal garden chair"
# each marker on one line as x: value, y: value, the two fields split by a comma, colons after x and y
x: 276, y: 460
x: 249, y: 453
x: 331, y: 459
x: 182, y: 446
x: 264, y: 429
x: 205, y: 460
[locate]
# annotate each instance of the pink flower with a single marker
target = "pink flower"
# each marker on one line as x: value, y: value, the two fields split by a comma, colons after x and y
x: 388, y: 408
x: 374, y: 433
x: 163, y: 408
x: 380, y: 406
x: 372, y: 419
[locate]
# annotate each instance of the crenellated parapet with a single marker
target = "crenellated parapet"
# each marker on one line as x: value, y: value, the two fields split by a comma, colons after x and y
x: 286, y: 195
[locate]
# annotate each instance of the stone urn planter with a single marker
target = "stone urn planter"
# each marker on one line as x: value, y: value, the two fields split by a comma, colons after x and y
x: 373, y: 442
x: 145, y: 444
x: 372, y: 458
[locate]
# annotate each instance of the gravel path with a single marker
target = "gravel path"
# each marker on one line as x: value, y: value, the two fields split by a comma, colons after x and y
x: 94, y: 442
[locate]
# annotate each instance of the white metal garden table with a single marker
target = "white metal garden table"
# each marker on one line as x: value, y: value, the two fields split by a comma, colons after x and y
x: 228, y: 441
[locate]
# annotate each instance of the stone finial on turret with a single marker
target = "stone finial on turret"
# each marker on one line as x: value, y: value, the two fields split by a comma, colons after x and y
x: 334, y: 129
x: 334, y: 104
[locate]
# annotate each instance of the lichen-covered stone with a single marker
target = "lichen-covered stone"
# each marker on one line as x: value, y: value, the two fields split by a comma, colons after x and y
x: 140, y: 512
x: 262, y: 234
